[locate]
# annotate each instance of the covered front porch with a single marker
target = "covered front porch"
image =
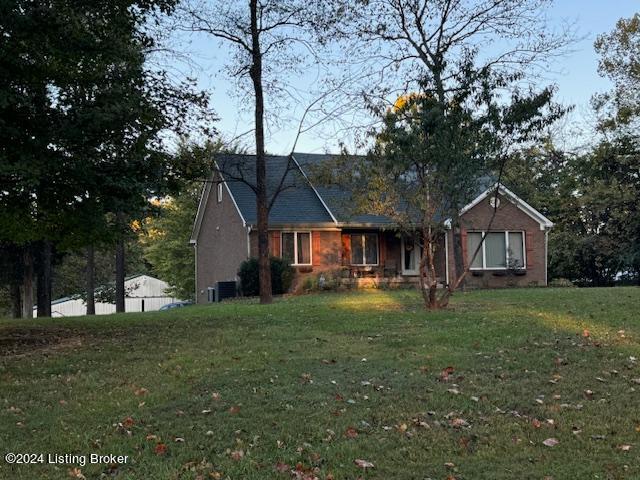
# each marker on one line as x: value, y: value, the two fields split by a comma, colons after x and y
x: 378, y: 258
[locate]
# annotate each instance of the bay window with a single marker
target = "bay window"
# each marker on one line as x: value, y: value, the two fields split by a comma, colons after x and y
x: 296, y: 247
x: 364, y: 249
x: 500, y: 250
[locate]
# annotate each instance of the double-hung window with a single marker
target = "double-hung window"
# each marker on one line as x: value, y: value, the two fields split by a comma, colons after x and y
x: 364, y: 249
x: 500, y: 250
x: 296, y: 247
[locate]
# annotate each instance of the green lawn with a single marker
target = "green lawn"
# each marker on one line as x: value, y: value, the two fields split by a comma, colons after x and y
x: 315, y: 382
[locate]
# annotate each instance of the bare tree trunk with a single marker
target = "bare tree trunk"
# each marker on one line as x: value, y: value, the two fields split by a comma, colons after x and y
x: 427, y: 270
x: 44, y: 279
x: 16, y: 300
x: 264, y: 266
x: 90, y: 281
x: 120, y: 274
x: 27, y: 283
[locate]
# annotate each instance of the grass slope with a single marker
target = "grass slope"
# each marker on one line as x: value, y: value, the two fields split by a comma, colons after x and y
x: 242, y: 391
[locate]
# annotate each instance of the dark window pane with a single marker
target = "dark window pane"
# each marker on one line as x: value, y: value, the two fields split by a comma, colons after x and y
x: 371, y: 248
x: 496, y: 250
x: 304, y: 248
x: 473, y: 240
x: 516, y: 253
x: 356, y: 250
x: 287, y: 246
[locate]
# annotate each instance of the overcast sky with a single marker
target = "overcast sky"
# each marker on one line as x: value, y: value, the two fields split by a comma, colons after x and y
x: 575, y: 75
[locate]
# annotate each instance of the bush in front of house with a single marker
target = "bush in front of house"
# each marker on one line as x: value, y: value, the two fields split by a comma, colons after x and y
x: 281, y: 277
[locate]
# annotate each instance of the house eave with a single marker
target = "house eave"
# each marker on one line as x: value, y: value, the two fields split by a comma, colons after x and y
x: 544, y: 222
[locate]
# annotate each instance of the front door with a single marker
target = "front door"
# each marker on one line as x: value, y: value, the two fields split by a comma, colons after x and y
x: 410, y: 257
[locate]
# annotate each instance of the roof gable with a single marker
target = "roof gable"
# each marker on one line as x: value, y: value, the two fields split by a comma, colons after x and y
x: 302, y: 203
x: 297, y: 202
x: 543, y: 221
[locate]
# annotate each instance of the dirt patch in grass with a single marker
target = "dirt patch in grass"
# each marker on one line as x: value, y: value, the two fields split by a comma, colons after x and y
x: 16, y: 341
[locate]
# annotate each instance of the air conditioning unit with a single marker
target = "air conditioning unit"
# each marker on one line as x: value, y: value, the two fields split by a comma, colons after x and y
x: 225, y: 290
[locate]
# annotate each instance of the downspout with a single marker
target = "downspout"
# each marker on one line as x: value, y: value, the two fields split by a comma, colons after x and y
x: 546, y: 257
x: 195, y: 254
x: 446, y: 257
x: 248, y: 242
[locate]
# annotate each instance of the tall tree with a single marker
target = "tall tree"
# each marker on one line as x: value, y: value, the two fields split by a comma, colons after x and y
x: 430, y: 159
x: 83, y: 120
x: 464, y: 59
x: 270, y: 39
x: 619, y: 53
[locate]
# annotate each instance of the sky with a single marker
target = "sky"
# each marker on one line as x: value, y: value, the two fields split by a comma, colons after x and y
x: 575, y: 75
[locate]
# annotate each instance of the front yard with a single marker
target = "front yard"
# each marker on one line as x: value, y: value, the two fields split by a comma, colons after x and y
x: 515, y: 384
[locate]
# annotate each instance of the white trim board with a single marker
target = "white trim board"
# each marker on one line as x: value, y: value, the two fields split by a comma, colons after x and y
x: 314, y: 189
x: 204, y: 198
x: 544, y: 222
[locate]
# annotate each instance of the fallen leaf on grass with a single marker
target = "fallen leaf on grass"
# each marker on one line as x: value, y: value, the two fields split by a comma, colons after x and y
x: 140, y: 391
x: 282, y: 467
x: 215, y: 396
x: 237, y: 455
x: 128, y: 422
x: 535, y: 423
x: 624, y: 448
x: 551, y: 442
x: 234, y: 410
x: 161, y: 449
x: 76, y: 473
x: 445, y: 373
x: 458, y: 423
x: 351, y: 433
x: 363, y: 463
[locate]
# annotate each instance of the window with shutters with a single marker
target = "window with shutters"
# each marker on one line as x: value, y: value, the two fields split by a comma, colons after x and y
x: 296, y: 247
x: 499, y: 251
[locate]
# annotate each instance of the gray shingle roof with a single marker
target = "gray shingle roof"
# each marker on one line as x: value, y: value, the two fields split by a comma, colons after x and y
x: 297, y: 203
x: 337, y: 199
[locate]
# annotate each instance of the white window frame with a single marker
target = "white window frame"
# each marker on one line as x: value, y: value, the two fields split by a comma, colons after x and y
x: 483, y: 251
x: 364, y: 251
x: 295, y: 246
x: 220, y: 189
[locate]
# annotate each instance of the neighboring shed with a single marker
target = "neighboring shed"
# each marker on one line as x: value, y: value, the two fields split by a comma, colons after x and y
x: 143, y: 294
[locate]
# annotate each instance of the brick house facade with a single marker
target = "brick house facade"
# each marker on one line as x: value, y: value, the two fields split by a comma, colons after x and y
x: 308, y: 227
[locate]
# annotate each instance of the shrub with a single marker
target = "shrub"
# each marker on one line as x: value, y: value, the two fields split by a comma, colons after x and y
x: 281, y: 277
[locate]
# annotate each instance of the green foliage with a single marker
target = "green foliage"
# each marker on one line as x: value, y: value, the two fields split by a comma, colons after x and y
x: 84, y: 120
x: 281, y: 276
x: 165, y: 240
x: 619, y: 53
x: 592, y: 200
